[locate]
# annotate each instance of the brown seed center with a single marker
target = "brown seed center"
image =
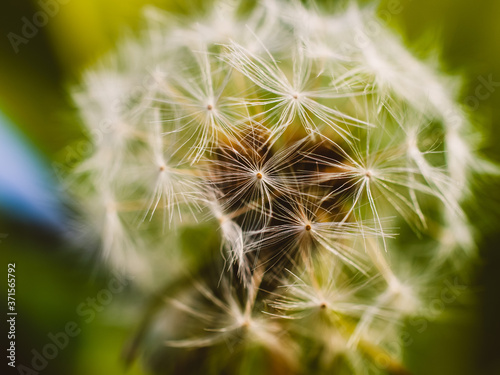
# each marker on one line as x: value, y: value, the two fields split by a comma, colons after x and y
x: 259, y: 175
x: 210, y: 107
x: 308, y: 227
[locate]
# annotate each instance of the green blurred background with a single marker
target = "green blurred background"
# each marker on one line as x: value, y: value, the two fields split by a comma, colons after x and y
x: 53, y: 279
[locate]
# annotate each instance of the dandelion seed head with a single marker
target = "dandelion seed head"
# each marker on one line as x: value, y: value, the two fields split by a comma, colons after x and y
x: 302, y: 168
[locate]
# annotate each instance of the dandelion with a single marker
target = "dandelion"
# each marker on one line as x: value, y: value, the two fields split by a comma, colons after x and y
x: 310, y: 185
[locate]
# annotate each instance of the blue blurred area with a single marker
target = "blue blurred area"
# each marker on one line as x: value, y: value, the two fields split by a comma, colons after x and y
x: 27, y: 190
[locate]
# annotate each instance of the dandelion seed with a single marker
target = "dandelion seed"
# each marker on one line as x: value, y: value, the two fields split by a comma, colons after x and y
x: 292, y: 100
x: 250, y: 174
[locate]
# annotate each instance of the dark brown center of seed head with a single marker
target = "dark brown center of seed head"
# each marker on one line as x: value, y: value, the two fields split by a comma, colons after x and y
x: 308, y: 227
x: 210, y: 107
x: 162, y: 168
x: 322, y: 306
x: 259, y: 175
